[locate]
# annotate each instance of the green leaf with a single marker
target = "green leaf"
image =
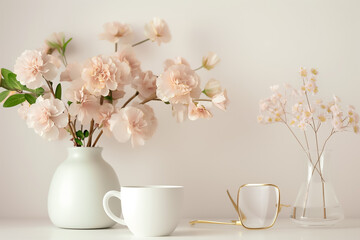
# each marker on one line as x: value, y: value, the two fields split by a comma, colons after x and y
x: 86, y: 133
x: 69, y: 103
x: 167, y: 102
x: 10, y: 82
x: 53, y: 44
x: 14, y: 82
x: 39, y: 91
x: 30, y: 98
x: 5, y: 72
x: 3, y: 95
x: 80, y: 135
x: 65, y: 45
x: 14, y: 100
x: 58, y: 91
x: 109, y: 98
x: 78, y: 141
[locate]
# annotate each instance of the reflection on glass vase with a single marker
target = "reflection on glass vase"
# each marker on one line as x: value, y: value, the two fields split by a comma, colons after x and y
x: 316, y: 203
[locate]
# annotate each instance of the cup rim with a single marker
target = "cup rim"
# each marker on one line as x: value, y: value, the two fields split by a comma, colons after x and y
x: 153, y: 187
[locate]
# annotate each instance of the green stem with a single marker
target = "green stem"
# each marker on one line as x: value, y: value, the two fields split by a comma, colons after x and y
x: 198, y: 68
x: 138, y: 43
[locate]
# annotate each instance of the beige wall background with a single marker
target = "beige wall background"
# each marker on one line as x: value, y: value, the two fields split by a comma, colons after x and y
x: 260, y: 42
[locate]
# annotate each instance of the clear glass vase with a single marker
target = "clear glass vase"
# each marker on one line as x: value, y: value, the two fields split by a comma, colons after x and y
x: 316, y: 203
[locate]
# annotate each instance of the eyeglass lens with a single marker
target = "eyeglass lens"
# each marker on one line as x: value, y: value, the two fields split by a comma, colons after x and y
x: 259, y: 205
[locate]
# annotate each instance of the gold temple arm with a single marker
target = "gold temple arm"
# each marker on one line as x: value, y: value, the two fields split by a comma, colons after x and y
x: 283, y: 205
x: 234, y: 222
x: 233, y: 203
x: 238, y: 211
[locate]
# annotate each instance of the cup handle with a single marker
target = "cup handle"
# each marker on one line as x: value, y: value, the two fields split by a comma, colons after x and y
x: 107, y: 209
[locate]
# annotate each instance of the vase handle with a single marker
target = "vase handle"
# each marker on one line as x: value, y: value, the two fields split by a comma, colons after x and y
x: 107, y: 209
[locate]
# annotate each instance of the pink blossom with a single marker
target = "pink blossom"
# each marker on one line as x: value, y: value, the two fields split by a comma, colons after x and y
x: 71, y: 73
x: 221, y: 100
x: 114, y: 31
x: 138, y: 123
x: 32, y: 66
x: 84, y: 105
x: 127, y: 55
x: 158, y: 31
x: 198, y: 111
x: 47, y: 117
x: 210, y: 61
x: 178, y: 84
x: 123, y: 74
x: 145, y: 84
x: 102, y: 74
x: 103, y: 116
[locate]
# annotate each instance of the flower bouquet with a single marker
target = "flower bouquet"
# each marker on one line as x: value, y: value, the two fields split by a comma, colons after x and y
x: 301, y: 109
x: 93, y: 104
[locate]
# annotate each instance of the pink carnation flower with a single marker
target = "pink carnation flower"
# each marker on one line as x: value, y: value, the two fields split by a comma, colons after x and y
x: 32, y: 66
x: 145, y: 84
x: 135, y: 122
x: 102, y: 74
x: 158, y: 31
x: 84, y: 105
x: 178, y: 84
x: 114, y: 31
x: 127, y: 55
x: 47, y: 117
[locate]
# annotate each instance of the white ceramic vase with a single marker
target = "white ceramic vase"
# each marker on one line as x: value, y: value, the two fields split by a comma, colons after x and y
x: 77, y: 190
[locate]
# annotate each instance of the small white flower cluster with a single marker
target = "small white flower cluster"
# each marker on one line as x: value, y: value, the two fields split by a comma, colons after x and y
x: 306, y: 112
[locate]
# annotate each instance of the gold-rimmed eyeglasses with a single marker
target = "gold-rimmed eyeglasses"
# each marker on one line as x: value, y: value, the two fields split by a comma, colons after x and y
x: 257, y: 206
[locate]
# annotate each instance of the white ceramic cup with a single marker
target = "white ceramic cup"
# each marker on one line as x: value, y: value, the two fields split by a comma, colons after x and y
x: 149, y: 211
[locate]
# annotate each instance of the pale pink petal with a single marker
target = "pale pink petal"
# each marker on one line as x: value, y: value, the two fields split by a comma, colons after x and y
x: 221, y: 100
x: 119, y: 127
x: 74, y: 109
x: 52, y: 134
x: 158, y: 30
x: 115, y: 31
x: 60, y: 121
x: 71, y: 73
x: 180, y: 112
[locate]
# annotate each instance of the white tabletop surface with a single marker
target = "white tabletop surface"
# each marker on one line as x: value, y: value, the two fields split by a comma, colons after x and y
x: 283, y: 229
